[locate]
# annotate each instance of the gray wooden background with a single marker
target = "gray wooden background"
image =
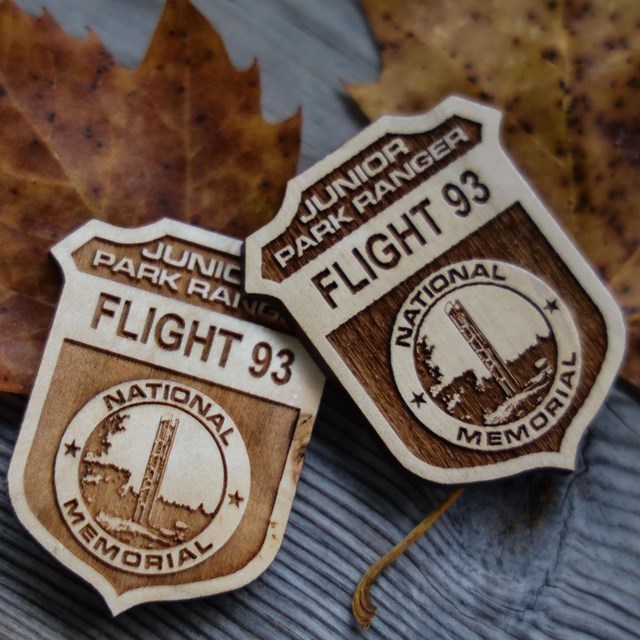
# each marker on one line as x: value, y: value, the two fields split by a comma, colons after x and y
x: 540, y: 556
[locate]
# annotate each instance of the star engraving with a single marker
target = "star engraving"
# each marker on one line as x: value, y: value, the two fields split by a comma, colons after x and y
x: 72, y: 449
x: 551, y: 306
x: 418, y: 398
x: 235, y: 498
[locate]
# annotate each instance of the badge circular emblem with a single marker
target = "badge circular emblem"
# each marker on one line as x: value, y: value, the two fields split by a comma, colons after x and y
x: 485, y: 355
x: 152, y: 477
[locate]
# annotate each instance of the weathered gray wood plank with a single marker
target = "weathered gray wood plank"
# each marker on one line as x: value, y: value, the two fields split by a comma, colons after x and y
x: 540, y: 556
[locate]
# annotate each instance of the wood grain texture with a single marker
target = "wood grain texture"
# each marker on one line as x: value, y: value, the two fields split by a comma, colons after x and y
x: 541, y: 556
x: 73, y: 385
x: 442, y: 295
x: 157, y: 460
x: 513, y: 238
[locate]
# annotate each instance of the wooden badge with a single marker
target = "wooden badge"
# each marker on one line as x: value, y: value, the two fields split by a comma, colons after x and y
x: 443, y: 296
x: 162, y: 444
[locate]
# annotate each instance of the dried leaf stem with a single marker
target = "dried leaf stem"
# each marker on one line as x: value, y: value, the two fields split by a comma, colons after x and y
x: 363, y: 609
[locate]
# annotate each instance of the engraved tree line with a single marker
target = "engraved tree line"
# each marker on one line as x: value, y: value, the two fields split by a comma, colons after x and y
x: 142, y: 518
x: 509, y: 390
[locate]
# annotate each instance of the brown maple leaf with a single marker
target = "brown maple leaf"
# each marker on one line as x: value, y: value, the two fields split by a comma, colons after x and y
x: 82, y: 137
x: 567, y: 76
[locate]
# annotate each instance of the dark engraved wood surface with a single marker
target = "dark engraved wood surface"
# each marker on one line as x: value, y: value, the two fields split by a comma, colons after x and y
x: 364, y: 342
x: 457, y: 317
x: 539, y: 556
x: 74, y: 385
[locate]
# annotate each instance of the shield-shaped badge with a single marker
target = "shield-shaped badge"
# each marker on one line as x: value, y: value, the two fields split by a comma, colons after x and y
x: 164, y: 437
x: 443, y: 296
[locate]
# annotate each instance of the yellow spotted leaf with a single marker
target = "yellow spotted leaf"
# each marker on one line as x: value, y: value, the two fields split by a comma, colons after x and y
x: 567, y: 76
x: 82, y: 137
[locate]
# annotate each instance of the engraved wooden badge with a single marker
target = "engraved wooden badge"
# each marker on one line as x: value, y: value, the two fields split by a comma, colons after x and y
x: 443, y: 296
x: 162, y: 444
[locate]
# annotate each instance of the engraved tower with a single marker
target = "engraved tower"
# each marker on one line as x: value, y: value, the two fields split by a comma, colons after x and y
x: 156, y: 466
x: 481, y: 346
